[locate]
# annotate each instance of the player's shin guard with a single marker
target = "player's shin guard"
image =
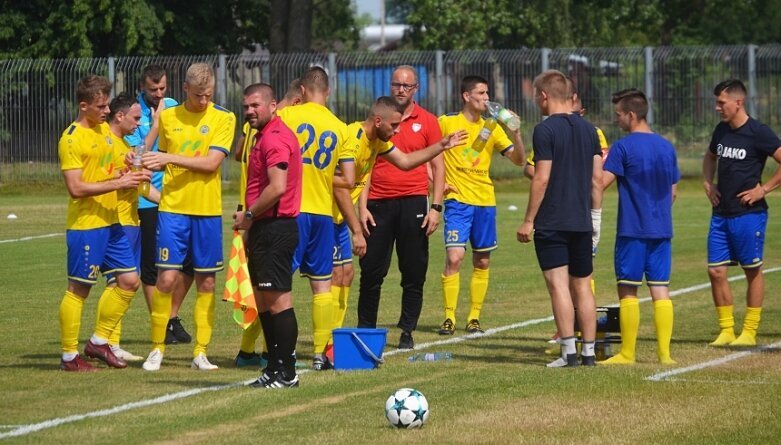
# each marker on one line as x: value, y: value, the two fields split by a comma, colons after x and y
x: 726, y: 326
x: 750, y: 326
x: 629, y: 320
x: 663, y: 320
x: 250, y: 335
x: 161, y: 312
x: 71, y: 307
x: 341, y: 294
x: 322, y: 320
x: 111, y: 309
x: 478, y: 288
x: 203, y: 317
x: 450, y: 289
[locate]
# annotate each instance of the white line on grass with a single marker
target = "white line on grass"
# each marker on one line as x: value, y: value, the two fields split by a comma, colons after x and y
x: 34, y: 427
x: 28, y: 238
x: 716, y: 362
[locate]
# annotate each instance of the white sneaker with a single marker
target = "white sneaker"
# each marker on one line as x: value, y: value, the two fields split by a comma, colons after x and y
x: 154, y: 360
x: 125, y: 355
x: 201, y: 363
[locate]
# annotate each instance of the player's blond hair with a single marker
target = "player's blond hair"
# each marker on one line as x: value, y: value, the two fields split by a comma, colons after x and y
x: 91, y: 86
x: 200, y: 75
x: 554, y: 84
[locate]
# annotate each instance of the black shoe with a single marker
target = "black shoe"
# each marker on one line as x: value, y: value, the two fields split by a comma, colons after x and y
x: 170, y: 339
x: 588, y: 360
x: 321, y: 364
x: 473, y: 326
x: 177, y: 331
x: 279, y: 381
x: 266, y: 376
x: 406, y: 341
x: 447, y: 328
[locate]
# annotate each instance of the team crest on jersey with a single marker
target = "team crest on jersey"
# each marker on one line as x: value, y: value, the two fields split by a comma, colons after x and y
x: 416, y: 127
x: 204, y: 129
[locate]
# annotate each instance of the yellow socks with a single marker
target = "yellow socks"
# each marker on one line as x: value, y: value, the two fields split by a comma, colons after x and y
x: 726, y: 324
x: 750, y: 325
x: 161, y: 311
x: 70, y: 322
x: 250, y: 335
x: 663, y: 319
x: 340, y: 295
x: 203, y: 316
x: 322, y: 320
x: 629, y: 318
x: 450, y: 289
x: 111, y: 308
x: 478, y: 288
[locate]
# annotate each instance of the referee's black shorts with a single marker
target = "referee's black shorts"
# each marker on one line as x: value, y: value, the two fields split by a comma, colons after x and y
x: 557, y: 248
x: 271, y: 244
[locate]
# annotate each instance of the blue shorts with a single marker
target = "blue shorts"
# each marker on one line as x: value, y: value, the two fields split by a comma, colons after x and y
x: 180, y: 236
x: 314, y: 254
x: 466, y: 222
x: 105, y: 250
x: 343, y: 249
x: 133, y: 235
x: 737, y: 240
x: 637, y: 256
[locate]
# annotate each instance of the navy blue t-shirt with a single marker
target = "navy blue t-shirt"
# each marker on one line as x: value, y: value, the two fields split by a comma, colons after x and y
x: 646, y: 168
x: 571, y: 143
x: 742, y: 153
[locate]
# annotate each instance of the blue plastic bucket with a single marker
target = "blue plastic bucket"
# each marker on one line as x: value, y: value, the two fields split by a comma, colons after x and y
x: 358, y: 348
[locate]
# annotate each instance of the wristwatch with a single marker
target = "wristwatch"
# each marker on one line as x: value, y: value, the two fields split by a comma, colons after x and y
x: 437, y: 207
x: 248, y: 215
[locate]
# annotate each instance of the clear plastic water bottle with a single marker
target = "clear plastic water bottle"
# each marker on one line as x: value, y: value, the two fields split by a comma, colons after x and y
x: 503, y: 115
x: 431, y: 357
x: 485, y: 133
x: 143, y: 188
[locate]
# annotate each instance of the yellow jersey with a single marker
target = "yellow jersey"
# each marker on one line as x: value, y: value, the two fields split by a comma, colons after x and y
x: 467, y: 169
x: 602, y: 144
x: 127, y: 199
x: 185, y: 133
x: 322, y: 137
x: 91, y: 151
x: 365, y: 152
x: 249, y: 142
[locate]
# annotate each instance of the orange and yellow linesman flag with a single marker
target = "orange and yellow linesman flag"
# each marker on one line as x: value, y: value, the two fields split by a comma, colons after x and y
x: 238, y: 286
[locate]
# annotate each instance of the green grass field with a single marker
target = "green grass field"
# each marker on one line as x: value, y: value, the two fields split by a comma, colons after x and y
x: 495, y: 390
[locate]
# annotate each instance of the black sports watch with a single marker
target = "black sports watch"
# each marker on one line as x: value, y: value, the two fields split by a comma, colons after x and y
x: 248, y: 215
x: 437, y: 207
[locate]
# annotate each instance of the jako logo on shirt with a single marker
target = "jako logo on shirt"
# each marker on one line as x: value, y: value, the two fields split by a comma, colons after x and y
x: 730, y: 152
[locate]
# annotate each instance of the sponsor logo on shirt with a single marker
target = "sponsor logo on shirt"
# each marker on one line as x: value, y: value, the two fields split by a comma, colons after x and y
x: 730, y: 152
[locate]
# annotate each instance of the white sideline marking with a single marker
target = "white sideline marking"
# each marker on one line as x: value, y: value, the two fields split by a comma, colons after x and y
x: 28, y: 238
x: 724, y: 382
x: 23, y: 430
x: 719, y: 361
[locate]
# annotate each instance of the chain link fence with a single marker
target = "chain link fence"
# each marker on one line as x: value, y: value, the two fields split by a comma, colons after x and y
x: 37, y: 96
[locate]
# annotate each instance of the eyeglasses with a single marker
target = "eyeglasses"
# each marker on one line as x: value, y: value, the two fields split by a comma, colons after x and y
x: 403, y: 86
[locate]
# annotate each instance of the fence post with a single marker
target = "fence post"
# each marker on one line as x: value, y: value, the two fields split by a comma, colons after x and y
x: 439, y: 92
x: 545, y: 59
x: 752, y: 81
x: 334, y: 76
x: 649, y: 82
x: 222, y: 98
x: 112, y: 76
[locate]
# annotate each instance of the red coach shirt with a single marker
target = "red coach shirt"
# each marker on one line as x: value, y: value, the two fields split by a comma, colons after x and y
x: 275, y: 145
x: 419, y: 130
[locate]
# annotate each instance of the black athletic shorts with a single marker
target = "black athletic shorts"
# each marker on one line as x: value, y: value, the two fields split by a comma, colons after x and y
x: 148, y: 219
x: 557, y: 248
x: 270, y: 247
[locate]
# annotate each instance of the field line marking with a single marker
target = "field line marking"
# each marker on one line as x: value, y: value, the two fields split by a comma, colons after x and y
x: 710, y: 363
x: 28, y: 238
x: 23, y: 430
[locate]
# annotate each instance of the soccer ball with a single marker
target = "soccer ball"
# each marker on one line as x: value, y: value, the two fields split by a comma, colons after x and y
x: 406, y: 408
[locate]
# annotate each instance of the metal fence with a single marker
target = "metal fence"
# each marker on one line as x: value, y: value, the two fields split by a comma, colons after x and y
x: 37, y: 96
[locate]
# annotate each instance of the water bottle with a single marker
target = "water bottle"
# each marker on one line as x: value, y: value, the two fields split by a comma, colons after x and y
x: 431, y: 357
x: 143, y: 188
x: 485, y: 133
x: 503, y: 115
